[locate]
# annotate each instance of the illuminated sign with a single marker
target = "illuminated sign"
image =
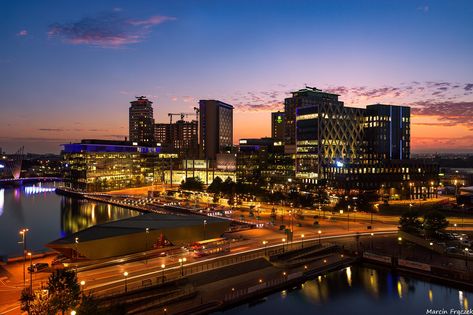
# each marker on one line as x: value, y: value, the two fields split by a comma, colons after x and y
x: 2, y: 166
x: 339, y: 164
x: 279, y: 119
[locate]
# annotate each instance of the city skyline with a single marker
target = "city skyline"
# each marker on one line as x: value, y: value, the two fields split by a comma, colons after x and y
x: 70, y: 73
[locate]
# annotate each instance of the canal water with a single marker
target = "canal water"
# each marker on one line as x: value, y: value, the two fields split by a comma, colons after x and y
x: 361, y: 290
x: 48, y: 216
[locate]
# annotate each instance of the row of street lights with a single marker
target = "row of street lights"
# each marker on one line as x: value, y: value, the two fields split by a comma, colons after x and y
x: 163, y: 268
x: 285, y: 240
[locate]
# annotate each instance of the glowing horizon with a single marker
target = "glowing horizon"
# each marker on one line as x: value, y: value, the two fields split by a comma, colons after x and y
x: 69, y: 71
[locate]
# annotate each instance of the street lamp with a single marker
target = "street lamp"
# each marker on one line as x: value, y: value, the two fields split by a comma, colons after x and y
x: 466, y: 257
x: 283, y: 241
x: 76, y: 242
x: 125, y: 274
x: 371, y: 238
x: 205, y: 231
x: 31, y: 272
x: 181, y: 262
x: 23, y: 241
x: 399, y: 243
x: 431, y: 249
x: 319, y: 232
x: 147, y: 244
x: 265, y: 243
x: 163, y: 266
x: 82, y: 283
x: 302, y: 238
x: 348, y: 218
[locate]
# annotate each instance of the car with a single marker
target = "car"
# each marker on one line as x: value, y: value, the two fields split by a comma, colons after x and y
x: 38, y: 267
x: 452, y: 250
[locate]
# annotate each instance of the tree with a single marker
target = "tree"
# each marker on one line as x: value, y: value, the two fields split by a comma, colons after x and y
x: 26, y: 299
x: 64, y: 291
x: 410, y: 222
x: 228, y: 186
x: 216, y: 186
x: 88, y: 305
x: 434, y: 221
x: 192, y: 183
x: 42, y: 305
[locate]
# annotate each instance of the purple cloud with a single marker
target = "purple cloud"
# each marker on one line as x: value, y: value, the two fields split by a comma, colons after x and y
x: 22, y: 33
x: 108, y: 30
x: 449, y: 113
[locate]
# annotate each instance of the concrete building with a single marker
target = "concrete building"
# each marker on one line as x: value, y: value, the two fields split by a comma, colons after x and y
x: 216, y: 128
x: 333, y: 145
x: 141, y: 122
x: 387, y: 132
x: 128, y: 236
x: 277, y: 125
x: 180, y: 137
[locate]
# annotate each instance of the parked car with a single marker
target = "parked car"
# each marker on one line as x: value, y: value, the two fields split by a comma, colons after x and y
x: 38, y: 267
x: 452, y: 250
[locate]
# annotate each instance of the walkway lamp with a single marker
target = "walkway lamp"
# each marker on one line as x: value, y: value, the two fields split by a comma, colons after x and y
x: 181, y: 262
x: 320, y: 233
x: 125, y: 274
x: 302, y: 238
x: 265, y: 243
x: 283, y: 241
x: 163, y: 266
x: 23, y: 241
x: 31, y: 271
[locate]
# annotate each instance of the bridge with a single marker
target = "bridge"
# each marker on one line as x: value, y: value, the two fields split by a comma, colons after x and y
x: 29, y: 179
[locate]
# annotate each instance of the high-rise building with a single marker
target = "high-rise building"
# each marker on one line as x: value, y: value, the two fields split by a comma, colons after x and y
x: 141, y: 122
x: 277, y: 125
x: 162, y: 135
x: 216, y: 128
x: 327, y: 134
x: 180, y: 137
x: 304, y: 97
x: 387, y: 132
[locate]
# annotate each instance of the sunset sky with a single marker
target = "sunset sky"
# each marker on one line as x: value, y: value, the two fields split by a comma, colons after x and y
x: 68, y: 69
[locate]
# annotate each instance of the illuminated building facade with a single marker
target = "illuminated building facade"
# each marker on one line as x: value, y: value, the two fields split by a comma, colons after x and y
x: 216, y: 128
x: 201, y: 169
x: 387, y: 132
x: 100, y: 165
x: 355, y: 148
x: 263, y: 161
x: 277, y: 125
x: 141, y: 122
x: 180, y: 137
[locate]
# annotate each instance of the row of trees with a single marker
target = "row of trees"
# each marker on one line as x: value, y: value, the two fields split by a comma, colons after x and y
x: 430, y: 224
x: 62, y: 294
x: 228, y: 189
x: 364, y: 201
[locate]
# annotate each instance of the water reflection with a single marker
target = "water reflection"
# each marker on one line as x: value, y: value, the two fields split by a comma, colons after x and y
x: 48, y: 216
x: 361, y: 290
x: 79, y: 214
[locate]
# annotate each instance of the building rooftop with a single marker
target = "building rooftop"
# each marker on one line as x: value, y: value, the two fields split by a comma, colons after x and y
x: 137, y: 224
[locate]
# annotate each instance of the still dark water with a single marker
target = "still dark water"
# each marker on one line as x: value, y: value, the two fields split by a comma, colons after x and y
x: 361, y: 290
x: 48, y: 216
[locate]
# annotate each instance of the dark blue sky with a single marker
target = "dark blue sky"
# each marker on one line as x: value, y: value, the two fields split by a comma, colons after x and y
x: 69, y: 68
